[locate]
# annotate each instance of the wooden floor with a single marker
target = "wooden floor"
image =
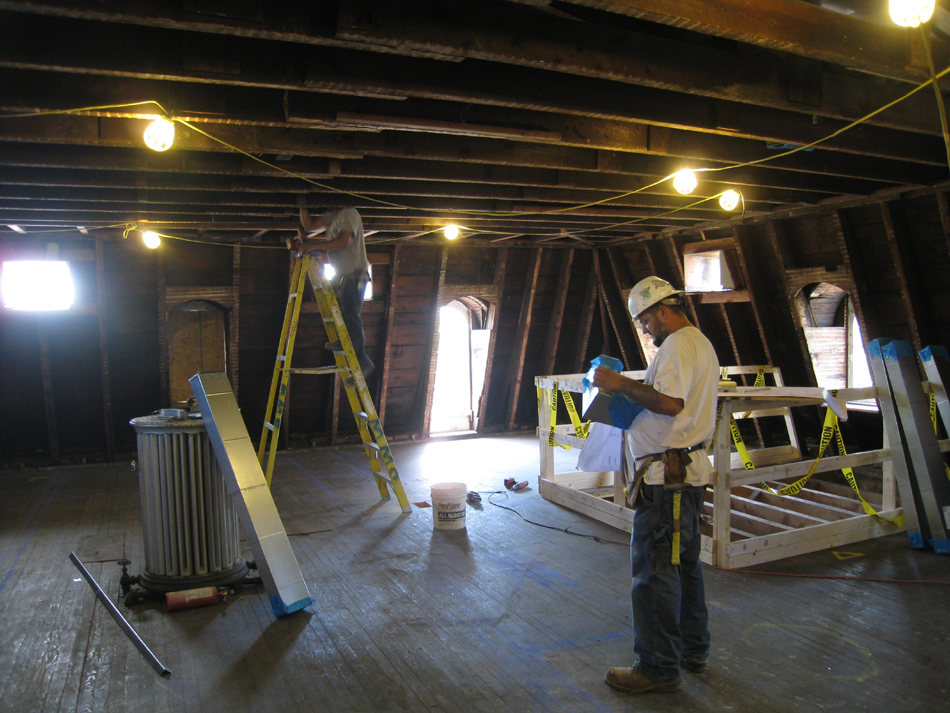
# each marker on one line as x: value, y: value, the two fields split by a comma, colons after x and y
x: 502, y: 616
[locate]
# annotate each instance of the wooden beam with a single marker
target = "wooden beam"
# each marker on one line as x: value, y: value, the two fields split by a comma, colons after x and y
x: 557, y: 312
x: 894, y: 242
x: 579, y: 359
x: 234, y: 323
x: 796, y: 27
x: 388, y: 332
x: 838, y: 230
x: 103, y: 314
x: 428, y: 381
x: 501, y: 267
x: 516, y: 365
x: 753, y: 297
x: 52, y: 432
x: 163, y: 331
x: 944, y: 210
x: 780, y: 250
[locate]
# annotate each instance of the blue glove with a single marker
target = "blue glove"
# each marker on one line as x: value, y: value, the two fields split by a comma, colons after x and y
x: 605, y: 361
x: 623, y: 410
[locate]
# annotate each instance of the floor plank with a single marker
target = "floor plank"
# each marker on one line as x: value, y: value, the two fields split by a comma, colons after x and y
x: 501, y: 616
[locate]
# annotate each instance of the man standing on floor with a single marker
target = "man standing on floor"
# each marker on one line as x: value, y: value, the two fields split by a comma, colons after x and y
x: 665, y: 446
x: 343, y: 242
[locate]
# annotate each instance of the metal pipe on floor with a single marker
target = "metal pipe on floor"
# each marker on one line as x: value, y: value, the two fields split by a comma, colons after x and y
x: 120, y: 620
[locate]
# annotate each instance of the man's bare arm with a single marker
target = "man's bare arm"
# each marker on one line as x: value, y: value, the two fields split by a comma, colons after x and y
x: 648, y: 397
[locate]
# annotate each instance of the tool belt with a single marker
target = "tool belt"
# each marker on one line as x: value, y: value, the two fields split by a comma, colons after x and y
x: 674, y: 462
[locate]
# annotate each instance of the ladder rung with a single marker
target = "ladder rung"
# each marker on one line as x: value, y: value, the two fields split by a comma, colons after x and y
x: 372, y: 445
x: 268, y: 426
x: 281, y: 357
x: 384, y: 476
x: 318, y: 370
x: 362, y: 415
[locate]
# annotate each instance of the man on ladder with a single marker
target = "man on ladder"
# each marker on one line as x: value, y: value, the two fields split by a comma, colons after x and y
x: 339, y: 297
x: 343, y: 242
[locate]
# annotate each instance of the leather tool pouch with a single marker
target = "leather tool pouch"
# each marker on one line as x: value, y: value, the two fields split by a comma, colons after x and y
x: 675, y: 461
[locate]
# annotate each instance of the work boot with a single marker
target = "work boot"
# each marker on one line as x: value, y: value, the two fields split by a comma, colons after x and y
x: 631, y: 680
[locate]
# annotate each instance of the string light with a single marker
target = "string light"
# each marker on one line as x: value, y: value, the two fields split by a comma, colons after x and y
x: 151, y: 239
x: 684, y: 181
x: 451, y: 232
x: 160, y: 135
x: 910, y: 13
x: 729, y: 200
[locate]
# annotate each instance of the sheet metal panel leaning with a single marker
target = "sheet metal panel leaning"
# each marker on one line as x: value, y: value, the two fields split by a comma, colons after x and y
x: 664, y: 449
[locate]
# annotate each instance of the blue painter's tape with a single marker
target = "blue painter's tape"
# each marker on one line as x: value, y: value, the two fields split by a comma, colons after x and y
x: 941, y: 547
x: 281, y: 609
x: 875, y: 346
x: 916, y: 540
x: 934, y: 351
x: 898, y: 349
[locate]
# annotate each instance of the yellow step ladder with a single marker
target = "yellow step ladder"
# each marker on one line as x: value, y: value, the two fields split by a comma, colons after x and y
x: 361, y: 403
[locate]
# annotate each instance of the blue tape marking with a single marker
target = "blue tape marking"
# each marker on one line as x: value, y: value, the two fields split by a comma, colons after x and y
x: 941, y: 547
x: 916, y: 540
x: 934, y: 351
x: 281, y: 609
x: 898, y: 349
x: 875, y: 346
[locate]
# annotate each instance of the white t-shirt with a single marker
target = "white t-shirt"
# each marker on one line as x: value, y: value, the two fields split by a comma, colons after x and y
x: 685, y: 367
x: 352, y: 258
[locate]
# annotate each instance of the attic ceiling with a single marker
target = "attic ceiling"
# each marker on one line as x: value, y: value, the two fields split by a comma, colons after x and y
x: 523, y: 122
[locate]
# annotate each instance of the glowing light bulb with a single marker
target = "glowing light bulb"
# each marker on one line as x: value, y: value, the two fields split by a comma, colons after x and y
x: 328, y: 271
x: 160, y: 135
x: 451, y: 232
x: 729, y: 200
x: 684, y: 181
x: 910, y: 13
x: 151, y: 240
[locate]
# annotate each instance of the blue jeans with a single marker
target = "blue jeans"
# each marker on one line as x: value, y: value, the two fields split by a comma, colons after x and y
x: 670, y: 620
x: 349, y: 294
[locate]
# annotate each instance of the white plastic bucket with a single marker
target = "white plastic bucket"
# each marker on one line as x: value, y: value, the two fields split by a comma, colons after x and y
x: 448, y: 506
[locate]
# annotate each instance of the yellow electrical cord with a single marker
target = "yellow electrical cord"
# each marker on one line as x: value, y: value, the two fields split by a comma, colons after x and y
x: 933, y: 80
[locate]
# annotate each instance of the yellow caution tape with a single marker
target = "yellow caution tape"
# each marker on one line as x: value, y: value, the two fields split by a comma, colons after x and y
x: 759, y: 381
x: 677, y: 499
x: 852, y: 481
x: 829, y: 430
x: 580, y: 429
x: 933, y: 420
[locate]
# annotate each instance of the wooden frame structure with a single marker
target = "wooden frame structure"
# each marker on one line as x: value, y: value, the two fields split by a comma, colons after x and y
x: 749, y: 525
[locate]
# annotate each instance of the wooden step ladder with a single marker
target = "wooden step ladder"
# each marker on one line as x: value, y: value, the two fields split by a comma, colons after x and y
x: 347, y: 366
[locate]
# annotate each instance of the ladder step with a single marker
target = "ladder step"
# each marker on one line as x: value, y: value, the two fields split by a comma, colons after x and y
x: 372, y: 446
x: 281, y: 357
x: 269, y: 426
x: 362, y: 415
x: 318, y: 370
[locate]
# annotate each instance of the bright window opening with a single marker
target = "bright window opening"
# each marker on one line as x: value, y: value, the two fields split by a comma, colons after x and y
x: 707, y: 272
x: 37, y: 285
x: 835, y: 342
x: 368, y: 291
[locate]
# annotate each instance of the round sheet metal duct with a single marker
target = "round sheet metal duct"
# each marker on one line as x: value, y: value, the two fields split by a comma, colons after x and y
x: 191, y: 535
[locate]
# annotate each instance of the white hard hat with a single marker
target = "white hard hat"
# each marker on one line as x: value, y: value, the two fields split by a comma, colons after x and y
x: 648, y: 292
